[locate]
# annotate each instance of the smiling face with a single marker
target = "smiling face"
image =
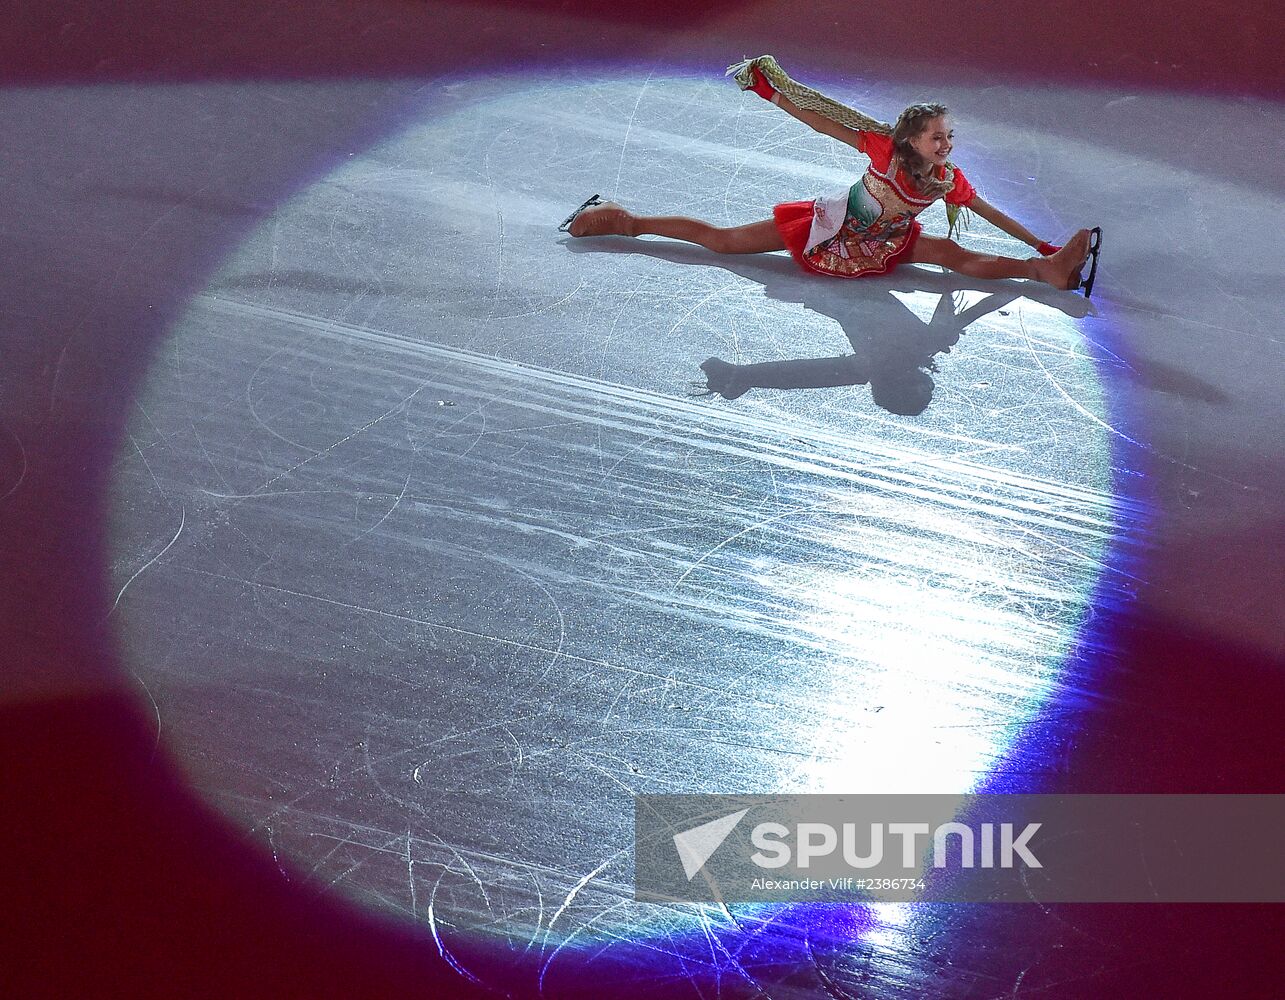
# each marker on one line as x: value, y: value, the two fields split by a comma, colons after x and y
x: 935, y: 141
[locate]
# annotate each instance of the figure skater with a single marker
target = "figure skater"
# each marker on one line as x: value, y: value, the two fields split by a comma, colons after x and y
x: 871, y: 227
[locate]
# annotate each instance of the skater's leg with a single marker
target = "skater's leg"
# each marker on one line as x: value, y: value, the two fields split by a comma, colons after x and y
x: 949, y: 254
x: 756, y: 237
x: 1060, y: 270
x: 610, y: 219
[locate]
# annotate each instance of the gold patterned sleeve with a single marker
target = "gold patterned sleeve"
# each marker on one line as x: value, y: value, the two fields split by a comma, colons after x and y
x: 804, y: 98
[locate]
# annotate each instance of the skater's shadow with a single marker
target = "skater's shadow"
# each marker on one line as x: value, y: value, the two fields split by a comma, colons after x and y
x: 894, y: 351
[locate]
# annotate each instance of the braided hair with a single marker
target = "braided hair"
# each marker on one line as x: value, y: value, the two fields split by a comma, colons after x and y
x: 911, y: 123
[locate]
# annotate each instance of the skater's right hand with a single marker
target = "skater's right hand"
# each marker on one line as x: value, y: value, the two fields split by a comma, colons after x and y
x: 1048, y: 249
x: 760, y: 85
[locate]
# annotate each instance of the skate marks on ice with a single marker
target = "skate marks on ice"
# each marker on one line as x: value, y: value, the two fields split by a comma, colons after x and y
x: 461, y: 608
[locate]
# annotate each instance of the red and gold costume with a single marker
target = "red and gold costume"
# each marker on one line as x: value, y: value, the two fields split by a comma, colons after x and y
x: 872, y: 225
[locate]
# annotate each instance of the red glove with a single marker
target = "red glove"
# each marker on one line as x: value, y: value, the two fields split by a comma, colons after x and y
x: 1048, y: 249
x: 760, y: 85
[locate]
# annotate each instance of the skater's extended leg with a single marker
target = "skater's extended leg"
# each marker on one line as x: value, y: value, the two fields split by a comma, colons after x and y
x: 1061, y: 270
x: 756, y: 237
x: 610, y: 219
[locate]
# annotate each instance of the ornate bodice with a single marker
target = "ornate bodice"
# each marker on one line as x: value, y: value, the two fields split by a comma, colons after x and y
x: 889, y: 192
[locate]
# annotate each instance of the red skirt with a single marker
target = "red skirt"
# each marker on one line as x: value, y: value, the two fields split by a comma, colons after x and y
x: 794, y: 223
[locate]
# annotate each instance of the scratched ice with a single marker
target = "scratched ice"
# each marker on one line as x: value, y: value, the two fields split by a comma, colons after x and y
x: 431, y: 561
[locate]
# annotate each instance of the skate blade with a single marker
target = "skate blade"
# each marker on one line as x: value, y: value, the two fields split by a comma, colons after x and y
x: 1095, y: 245
x: 566, y: 224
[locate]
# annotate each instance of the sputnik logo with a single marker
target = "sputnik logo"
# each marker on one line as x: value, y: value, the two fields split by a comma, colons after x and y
x: 695, y: 846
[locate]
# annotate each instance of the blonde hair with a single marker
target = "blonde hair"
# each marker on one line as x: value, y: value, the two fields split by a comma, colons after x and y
x: 910, y: 123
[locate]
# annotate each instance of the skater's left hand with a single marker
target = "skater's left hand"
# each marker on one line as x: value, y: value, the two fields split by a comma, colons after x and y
x: 1048, y: 249
x: 760, y: 85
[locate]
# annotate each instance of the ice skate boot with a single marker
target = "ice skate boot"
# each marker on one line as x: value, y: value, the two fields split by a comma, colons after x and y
x: 1063, y: 269
x: 566, y: 223
x: 605, y: 218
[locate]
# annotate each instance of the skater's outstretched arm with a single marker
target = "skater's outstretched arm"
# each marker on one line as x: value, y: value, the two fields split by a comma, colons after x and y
x: 1002, y: 222
x: 819, y: 122
x: 812, y: 119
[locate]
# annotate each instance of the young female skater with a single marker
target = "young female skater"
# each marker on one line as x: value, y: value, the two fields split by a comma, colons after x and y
x: 872, y: 227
